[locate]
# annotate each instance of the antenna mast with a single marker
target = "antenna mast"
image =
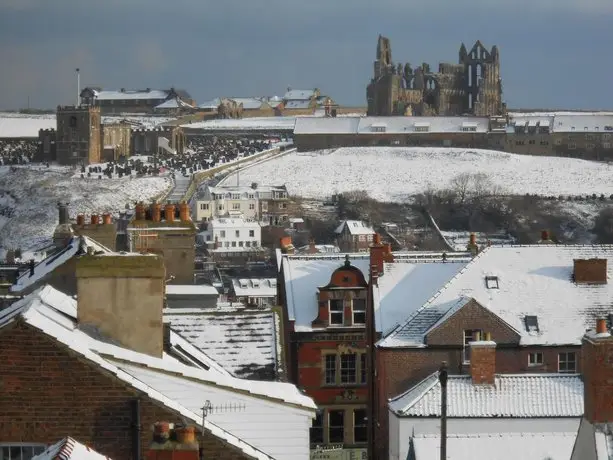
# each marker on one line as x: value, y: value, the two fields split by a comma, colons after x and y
x: 78, y: 87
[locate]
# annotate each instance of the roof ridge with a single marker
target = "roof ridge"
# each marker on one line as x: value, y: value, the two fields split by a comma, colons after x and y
x: 434, y: 296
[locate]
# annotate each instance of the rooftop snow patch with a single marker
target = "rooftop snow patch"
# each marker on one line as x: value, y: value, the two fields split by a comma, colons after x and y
x: 395, y: 173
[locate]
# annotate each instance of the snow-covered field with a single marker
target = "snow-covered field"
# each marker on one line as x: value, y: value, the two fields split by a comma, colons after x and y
x: 396, y: 173
x: 24, y: 125
x: 29, y: 197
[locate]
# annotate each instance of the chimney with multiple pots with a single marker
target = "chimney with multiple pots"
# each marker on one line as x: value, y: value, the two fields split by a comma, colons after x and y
x: 171, y: 442
x: 483, y: 360
x: 156, y: 212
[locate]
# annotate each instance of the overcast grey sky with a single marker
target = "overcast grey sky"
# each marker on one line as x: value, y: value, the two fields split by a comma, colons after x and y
x: 554, y: 53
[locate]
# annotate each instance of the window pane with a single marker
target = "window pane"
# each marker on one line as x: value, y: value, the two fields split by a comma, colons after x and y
x: 359, y: 311
x: 336, y: 312
x: 360, y: 426
x: 348, y: 368
x: 317, y: 430
x: 363, y: 368
x: 330, y: 369
x: 336, y: 426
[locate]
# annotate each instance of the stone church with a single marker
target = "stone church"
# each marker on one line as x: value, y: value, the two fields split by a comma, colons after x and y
x: 471, y: 87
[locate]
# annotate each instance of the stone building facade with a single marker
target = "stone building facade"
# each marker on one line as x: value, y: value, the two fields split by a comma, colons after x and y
x: 78, y: 135
x: 473, y: 86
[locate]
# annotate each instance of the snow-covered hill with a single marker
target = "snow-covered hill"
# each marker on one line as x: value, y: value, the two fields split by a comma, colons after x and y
x: 395, y: 173
x: 29, y: 197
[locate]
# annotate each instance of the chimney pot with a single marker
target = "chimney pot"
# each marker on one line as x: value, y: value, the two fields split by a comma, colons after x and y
x: 544, y: 235
x: 377, y: 239
x: 140, y: 211
x: 186, y: 435
x: 184, y: 212
x: 169, y: 212
x: 473, y: 239
x: 106, y: 219
x: 80, y: 220
x: 95, y: 219
x: 601, y: 326
x: 156, y: 212
x: 161, y: 432
x: 63, y: 213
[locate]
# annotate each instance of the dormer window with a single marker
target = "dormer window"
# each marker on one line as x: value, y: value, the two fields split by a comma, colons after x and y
x: 491, y: 282
x: 532, y: 323
x: 359, y: 311
x: 337, y: 317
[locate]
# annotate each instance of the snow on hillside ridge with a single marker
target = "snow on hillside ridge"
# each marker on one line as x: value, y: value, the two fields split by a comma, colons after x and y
x: 395, y: 173
x: 29, y: 197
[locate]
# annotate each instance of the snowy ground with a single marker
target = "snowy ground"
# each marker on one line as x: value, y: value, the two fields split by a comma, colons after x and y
x: 29, y: 197
x: 24, y: 125
x: 396, y: 173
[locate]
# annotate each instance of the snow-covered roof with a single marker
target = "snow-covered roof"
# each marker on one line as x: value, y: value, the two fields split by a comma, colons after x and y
x: 223, y: 333
x: 297, y: 104
x: 245, y: 189
x: 249, y: 103
x: 255, y: 123
x: 511, y: 396
x: 174, y: 103
x: 355, y: 227
x: 14, y: 125
x: 326, y: 125
x: 179, y: 387
x: 501, y: 446
x: 594, y: 441
x: 583, y: 123
x: 232, y: 222
x: 319, y: 248
x: 400, y: 125
x: 69, y: 449
x: 54, y: 260
x: 402, y: 288
x: 109, y: 95
x: 191, y: 289
x: 531, y: 280
x: 255, y: 287
x: 212, y: 104
x: 299, y: 94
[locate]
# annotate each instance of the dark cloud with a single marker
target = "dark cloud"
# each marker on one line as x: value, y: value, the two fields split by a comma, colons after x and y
x: 551, y: 56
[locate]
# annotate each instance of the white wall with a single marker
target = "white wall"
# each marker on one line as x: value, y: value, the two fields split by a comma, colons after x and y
x: 249, y: 233
x: 401, y: 429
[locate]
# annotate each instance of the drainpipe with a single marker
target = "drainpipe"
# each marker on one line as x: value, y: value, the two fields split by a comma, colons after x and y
x: 136, y: 429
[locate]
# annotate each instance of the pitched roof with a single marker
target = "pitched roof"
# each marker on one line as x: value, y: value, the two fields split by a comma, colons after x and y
x: 54, y: 260
x: 511, y: 396
x: 222, y: 332
x: 255, y: 287
x: 404, y: 287
x: 69, y: 449
x: 299, y: 94
x: 139, y: 94
x: 531, y: 280
x: 355, y: 227
x: 581, y: 123
x: 326, y: 125
x: 249, y: 103
x: 53, y: 313
x: 498, y: 446
x: 173, y: 103
x: 191, y: 289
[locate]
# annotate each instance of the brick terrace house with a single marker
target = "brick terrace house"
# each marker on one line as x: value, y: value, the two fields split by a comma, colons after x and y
x: 536, y: 301
x: 105, y: 373
x: 354, y: 236
x: 325, y: 303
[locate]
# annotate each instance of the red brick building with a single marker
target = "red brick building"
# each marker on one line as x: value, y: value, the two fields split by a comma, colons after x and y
x: 105, y: 374
x: 354, y: 236
x: 536, y: 301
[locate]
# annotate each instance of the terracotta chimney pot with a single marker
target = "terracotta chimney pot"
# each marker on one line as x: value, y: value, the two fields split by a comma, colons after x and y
x: 377, y: 239
x: 186, y: 435
x: 80, y: 220
x: 106, y: 219
x: 95, y: 219
x: 601, y: 326
x: 140, y: 211
x: 169, y: 212
x: 473, y: 239
x: 184, y: 212
x: 156, y: 212
x: 544, y: 235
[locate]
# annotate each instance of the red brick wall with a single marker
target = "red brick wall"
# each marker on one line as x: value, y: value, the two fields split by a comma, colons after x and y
x: 47, y: 393
x: 598, y: 379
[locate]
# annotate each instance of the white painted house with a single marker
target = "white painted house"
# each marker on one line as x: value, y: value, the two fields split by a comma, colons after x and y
x: 515, y: 416
x: 231, y: 234
x: 249, y: 201
x: 255, y: 291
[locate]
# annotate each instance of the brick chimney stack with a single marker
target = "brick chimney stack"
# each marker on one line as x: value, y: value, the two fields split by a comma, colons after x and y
x: 173, y: 443
x: 379, y: 254
x: 597, y: 357
x: 122, y: 296
x: 545, y: 237
x: 472, y: 245
x: 483, y: 361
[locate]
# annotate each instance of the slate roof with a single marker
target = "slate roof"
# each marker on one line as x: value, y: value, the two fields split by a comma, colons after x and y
x: 355, y: 227
x: 404, y: 287
x: 511, y: 396
x: 496, y: 446
x: 534, y: 280
x: 69, y: 449
x: 243, y: 341
x: 54, y: 260
x: 177, y: 386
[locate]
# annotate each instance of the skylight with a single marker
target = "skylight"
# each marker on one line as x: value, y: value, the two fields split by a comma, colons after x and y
x: 532, y: 323
x: 491, y: 282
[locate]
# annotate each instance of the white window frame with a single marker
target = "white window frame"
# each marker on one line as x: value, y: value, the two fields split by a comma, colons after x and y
x: 535, y: 359
x: 469, y: 335
x: 567, y: 353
